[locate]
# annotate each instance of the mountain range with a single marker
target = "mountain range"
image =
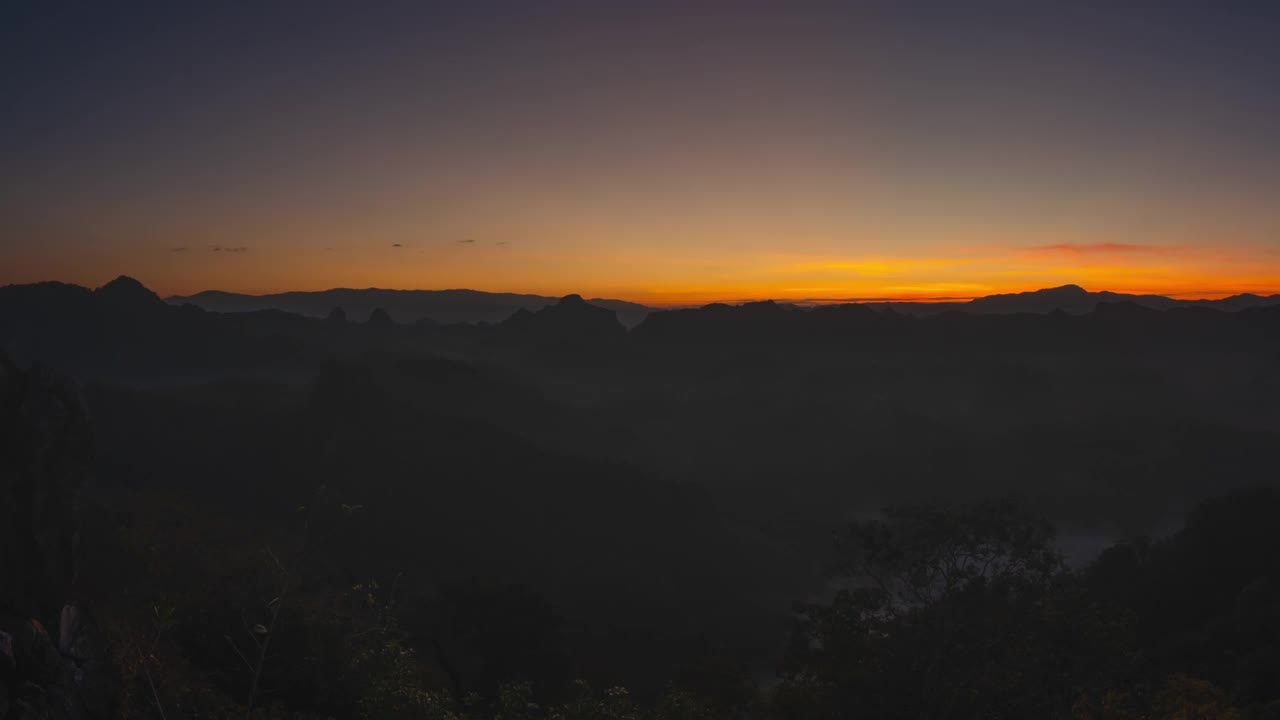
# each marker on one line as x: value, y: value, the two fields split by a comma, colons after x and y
x: 1074, y: 300
x: 404, y: 306
x: 125, y: 327
x: 457, y: 306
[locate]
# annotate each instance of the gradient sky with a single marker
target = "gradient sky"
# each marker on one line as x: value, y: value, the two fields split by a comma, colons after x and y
x: 661, y: 152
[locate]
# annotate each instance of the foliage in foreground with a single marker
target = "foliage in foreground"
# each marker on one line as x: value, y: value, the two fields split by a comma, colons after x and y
x: 962, y: 611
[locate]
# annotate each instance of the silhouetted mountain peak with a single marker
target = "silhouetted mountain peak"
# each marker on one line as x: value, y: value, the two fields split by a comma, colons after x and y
x: 1070, y: 291
x: 1064, y: 290
x: 124, y: 290
x: 520, y: 318
x: 379, y: 318
x: 1069, y: 298
x: 337, y: 315
x: 569, y: 319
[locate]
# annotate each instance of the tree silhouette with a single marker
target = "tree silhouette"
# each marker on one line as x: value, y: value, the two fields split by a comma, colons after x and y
x: 948, y: 611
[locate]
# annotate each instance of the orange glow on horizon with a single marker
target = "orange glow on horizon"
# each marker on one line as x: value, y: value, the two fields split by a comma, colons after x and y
x: 664, y: 273
x: 660, y: 295
x: 818, y: 154
x: 671, y: 294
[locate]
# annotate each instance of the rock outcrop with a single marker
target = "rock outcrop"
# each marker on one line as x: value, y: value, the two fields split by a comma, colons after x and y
x: 125, y: 292
x: 571, y: 319
x: 379, y: 318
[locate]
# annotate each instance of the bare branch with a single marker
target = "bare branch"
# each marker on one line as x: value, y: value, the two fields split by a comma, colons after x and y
x: 239, y: 654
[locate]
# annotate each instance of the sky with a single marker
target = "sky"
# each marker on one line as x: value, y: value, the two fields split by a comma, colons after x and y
x: 666, y: 153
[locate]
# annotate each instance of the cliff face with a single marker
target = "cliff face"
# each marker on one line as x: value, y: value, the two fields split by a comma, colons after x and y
x: 45, y: 456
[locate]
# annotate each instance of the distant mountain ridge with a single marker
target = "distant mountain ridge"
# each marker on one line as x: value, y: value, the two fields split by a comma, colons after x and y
x: 1076, y: 300
x: 569, y: 320
x: 1071, y: 299
x: 122, y: 328
x: 455, y: 306
x: 404, y: 306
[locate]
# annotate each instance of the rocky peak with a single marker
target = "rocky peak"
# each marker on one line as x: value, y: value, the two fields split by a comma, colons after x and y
x: 379, y: 318
x: 125, y: 291
x: 1065, y: 290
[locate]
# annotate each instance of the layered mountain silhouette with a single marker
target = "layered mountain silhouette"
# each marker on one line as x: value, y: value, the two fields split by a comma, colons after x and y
x: 123, y: 327
x: 379, y: 318
x: 472, y: 306
x: 1075, y: 300
x: 126, y: 293
x: 403, y: 306
x: 708, y: 451
x: 571, y: 318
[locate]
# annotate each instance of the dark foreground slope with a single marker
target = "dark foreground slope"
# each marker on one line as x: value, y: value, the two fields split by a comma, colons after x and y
x: 55, y: 661
x: 422, y: 514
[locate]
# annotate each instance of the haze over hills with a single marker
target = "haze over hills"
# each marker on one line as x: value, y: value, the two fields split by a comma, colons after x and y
x: 124, y: 325
x: 712, y: 452
x: 404, y: 306
x: 455, y: 306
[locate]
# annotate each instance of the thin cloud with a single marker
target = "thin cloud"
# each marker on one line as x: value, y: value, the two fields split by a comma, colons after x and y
x: 396, y: 245
x: 231, y: 249
x: 1098, y: 248
x: 884, y: 266
x: 177, y: 249
x: 468, y: 241
x: 503, y: 244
